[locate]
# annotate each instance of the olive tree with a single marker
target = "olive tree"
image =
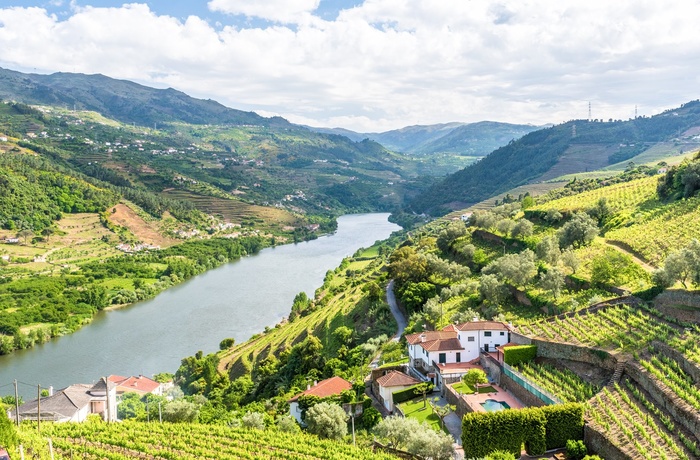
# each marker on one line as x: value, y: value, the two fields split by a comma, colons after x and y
x: 327, y: 420
x: 581, y: 230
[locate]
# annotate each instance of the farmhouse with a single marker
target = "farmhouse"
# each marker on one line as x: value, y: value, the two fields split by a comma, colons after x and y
x: 323, y: 389
x: 390, y: 383
x: 448, y: 354
x: 73, y: 404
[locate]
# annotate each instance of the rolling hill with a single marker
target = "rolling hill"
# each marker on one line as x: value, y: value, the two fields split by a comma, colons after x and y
x: 572, y: 147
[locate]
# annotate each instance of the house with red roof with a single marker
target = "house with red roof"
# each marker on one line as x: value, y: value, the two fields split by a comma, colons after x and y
x: 390, y: 383
x: 323, y: 389
x: 136, y: 384
x: 447, y: 354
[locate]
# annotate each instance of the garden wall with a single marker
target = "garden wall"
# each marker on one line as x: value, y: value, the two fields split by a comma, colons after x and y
x: 599, y: 444
x: 519, y: 392
x: 454, y: 399
x: 557, y: 350
x: 681, y: 411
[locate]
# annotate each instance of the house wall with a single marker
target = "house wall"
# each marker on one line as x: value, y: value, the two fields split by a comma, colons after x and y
x: 295, y: 411
x: 473, y: 349
x: 385, y: 395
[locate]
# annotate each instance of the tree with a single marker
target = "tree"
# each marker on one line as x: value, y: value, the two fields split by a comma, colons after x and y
x: 611, y: 268
x: 454, y: 230
x: 522, y: 229
x: 25, y: 234
x: 474, y: 377
x: 581, y: 230
x: 518, y: 269
x: 569, y: 259
x: 288, y: 424
x: 441, y: 411
x: 327, y: 421
x: 180, y: 411
x: 505, y: 226
x: 678, y: 266
x: 8, y: 433
x: 131, y: 407
x: 491, y: 289
x: 227, y: 343
x: 422, y: 389
x: 406, y: 265
x: 428, y: 443
x: 601, y: 211
x: 343, y: 335
x: 47, y: 232
x: 397, y: 430
x: 548, y: 250
x: 253, y: 420
x: 553, y: 281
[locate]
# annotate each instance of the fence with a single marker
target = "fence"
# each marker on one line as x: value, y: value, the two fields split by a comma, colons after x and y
x: 533, y: 388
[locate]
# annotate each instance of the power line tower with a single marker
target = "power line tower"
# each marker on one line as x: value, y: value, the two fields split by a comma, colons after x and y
x: 635, y: 111
x: 589, y: 111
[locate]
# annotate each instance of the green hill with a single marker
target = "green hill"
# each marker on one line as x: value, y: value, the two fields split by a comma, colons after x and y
x: 575, y: 146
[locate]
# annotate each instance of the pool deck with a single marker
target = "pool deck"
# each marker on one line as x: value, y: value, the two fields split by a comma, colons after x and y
x: 474, y: 400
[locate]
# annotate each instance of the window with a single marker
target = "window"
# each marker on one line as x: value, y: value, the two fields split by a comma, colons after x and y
x: 442, y: 358
x: 470, y: 338
x: 503, y: 333
x: 487, y: 334
x: 459, y: 357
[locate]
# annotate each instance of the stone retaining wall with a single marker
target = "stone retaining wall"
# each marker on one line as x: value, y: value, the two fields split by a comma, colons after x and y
x: 455, y: 399
x: 688, y: 367
x: 557, y: 350
x: 600, y: 445
x: 681, y: 411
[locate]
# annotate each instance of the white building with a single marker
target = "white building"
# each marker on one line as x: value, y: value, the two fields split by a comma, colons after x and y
x: 452, y: 351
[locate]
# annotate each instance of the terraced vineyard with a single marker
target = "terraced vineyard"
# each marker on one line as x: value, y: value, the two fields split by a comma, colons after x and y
x: 636, y: 426
x: 669, y: 372
x: 618, y: 327
x: 564, y: 384
x: 689, y: 344
x: 661, y: 230
x: 187, y: 441
x: 622, y: 196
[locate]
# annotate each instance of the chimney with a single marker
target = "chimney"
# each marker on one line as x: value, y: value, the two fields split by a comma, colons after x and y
x: 51, y: 390
x: 308, y: 386
x: 422, y: 338
x: 475, y: 319
x: 315, y: 382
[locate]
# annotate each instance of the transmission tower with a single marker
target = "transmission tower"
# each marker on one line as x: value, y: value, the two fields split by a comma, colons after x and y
x: 589, y: 111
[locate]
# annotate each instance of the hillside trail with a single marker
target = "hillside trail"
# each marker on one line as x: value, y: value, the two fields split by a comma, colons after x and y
x: 396, y: 311
x: 645, y: 265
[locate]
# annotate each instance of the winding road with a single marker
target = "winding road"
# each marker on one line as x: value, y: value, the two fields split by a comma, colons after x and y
x: 395, y: 310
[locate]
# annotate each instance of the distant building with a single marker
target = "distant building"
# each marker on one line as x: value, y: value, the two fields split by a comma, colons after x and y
x: 73, y: 404
x: 136, y: 384
x: 390, y: 383
x: 323, y: 389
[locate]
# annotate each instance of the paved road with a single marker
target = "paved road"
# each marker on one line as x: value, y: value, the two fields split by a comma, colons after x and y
x: 395, y: 310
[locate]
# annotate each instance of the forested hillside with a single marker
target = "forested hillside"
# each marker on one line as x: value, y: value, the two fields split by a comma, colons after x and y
x: 527, y: 159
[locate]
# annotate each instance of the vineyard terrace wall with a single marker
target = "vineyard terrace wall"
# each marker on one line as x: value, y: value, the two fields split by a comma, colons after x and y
x: 568, y: 351
x: 598, y: 443
x: 665, y: 398
x: 689, y: 368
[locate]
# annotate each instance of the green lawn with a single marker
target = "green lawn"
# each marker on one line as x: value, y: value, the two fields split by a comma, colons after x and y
x: 463, y: 388
x: 414, y: 409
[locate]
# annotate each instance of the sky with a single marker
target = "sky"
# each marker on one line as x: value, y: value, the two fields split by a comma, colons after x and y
x: 376, y: 65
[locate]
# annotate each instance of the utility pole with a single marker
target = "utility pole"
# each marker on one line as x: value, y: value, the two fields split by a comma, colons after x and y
x: 107, y: 398
x: 16, y: 403
x: 38, y: 409
x: 160, y: 413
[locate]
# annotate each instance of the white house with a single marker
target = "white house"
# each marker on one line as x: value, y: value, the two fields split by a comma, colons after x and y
x: 390, y: 383
x: 323, y: 389
x: 452, y: 351
x: 73, y: 404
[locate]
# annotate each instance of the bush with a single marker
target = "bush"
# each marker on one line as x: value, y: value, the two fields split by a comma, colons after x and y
x: 519, y: 354
x: 575, y: 450
x: 487, y: 432
x: 404, y: 395
x: 564, y: 422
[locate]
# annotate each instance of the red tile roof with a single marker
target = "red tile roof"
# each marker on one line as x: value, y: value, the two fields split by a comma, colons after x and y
x: 480, y: 326
x: 396, y: 379
x: 442, y: 345
x: 324, y: 388
x: 426, y: 336
x: 138, y: 384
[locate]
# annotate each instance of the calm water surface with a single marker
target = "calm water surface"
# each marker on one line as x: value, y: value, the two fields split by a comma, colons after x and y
x: 236, y: 300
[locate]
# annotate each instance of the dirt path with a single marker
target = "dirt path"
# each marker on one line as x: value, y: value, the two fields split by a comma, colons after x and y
x: 618, y: 247
x: 395, y: 310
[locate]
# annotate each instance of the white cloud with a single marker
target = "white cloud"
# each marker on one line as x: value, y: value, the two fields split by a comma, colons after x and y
x: 285, y: 11
x: 387, y: 63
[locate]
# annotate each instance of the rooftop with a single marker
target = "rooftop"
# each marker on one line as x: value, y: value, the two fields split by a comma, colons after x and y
x: 329, y: 387
x: 396, y: 379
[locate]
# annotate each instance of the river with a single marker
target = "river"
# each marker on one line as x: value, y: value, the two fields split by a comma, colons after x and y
x: 235, y: 300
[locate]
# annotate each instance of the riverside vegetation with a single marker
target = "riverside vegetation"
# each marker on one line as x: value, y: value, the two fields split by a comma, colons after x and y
x: 528, y: 262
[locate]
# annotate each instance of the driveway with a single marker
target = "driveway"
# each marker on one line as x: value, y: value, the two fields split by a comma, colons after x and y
x: 395, y: 310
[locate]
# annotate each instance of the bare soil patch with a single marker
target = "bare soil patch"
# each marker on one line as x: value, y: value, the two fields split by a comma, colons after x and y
x: 147, y: 232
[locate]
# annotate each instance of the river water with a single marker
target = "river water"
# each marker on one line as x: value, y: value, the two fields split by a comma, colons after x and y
x: 235, y: 300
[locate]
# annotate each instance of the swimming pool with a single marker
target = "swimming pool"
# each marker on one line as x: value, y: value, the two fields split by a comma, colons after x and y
x: 491, y: 405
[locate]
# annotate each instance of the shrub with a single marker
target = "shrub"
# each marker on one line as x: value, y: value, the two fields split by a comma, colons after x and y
x: 404, y: 395
x: 519, y: 354
x: 575, y: 450
x: 564, y: 422
x: 484, y: 433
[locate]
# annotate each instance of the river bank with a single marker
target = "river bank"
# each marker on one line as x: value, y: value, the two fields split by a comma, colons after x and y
x: 235, y: 300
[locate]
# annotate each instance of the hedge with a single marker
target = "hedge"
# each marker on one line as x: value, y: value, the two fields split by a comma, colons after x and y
x: 507, y: 430
x: 564, y: 422
x: 404, y: 395
x: 539, y: 428
x: 519, y: 354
